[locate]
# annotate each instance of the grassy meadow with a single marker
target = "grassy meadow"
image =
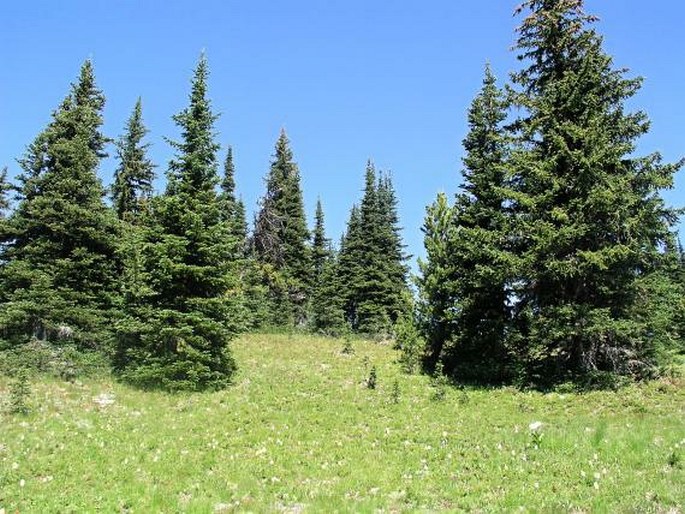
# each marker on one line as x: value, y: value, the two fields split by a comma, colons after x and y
x: 300, y: 431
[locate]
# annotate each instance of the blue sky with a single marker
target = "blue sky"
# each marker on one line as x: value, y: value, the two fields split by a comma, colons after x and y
x: 348, y: 79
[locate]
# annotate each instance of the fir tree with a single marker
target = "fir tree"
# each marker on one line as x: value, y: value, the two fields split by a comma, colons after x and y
x: 371, y: 264
x: 481, y: 264
x: 60, y: 266
x: 436, y: 306
x: 232, y: 208
x: 326, y: 313
x: 281, y: 238
x: 396, y: 295
x: 321, y: 246
x: 134, y: 176
x: 349, y: 269
x: 590, y: 218
x: 177, y: 336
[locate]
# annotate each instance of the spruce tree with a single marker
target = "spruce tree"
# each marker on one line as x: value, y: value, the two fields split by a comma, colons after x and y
x: 321, y: 246
x: 396, y: 296
x: 133, y: 177
x: 481, y: 263
x: 177, y: 335
x: 371, y: 263
x: 59, y: 269
x: 349, y: 269
x: 232, y: 208
x: 281, y: 237
x: 436, y: 300
x: 326, y: 306
x: 591, y: 221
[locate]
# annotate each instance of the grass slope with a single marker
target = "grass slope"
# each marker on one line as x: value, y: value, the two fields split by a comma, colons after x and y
x: 300, y: 432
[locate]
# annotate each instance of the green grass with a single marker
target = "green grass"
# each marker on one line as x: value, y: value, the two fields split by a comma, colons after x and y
x: 300, y: 432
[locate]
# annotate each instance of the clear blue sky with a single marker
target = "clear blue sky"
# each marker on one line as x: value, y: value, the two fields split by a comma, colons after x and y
x: 348, y: 79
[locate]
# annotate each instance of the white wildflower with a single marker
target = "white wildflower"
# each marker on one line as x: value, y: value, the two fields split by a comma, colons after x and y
x: 535, y: 426
x: 104, y: 399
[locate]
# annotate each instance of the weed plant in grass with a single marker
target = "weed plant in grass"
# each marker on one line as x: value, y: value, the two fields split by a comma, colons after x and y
x: 300, y: 432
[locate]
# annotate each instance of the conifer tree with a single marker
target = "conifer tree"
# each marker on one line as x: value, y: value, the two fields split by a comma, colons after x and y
x: 232, y: 207
x: 177, y: 336
x: 481, y: 264
x: 436, y: 303
x: 281, y: 238
x: 134, y: 176
x: 591, y: 221
x: 349, y: 269
x: 321, y: 246
x: 371, y: 264
x: 326, y: 313
x: 60, y: 267
x: 392, y: 250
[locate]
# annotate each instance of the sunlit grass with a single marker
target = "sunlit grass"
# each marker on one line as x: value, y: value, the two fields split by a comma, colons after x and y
x: 300, y: 432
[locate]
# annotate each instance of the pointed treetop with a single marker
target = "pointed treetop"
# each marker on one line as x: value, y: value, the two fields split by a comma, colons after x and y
x: 228, y: 182
x: 195, y: 166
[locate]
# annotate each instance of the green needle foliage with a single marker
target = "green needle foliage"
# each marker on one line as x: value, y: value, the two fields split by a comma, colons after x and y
x: 57, y: 254
x: 133, y: 177
x: 553, y: 265
x: 436, y: 301
x: 176, y: 334
x: 372, y: 261
x: 233, y: 210
x: 281, y: 238
x: 326, y: 306
x: 481, y: 262
x: 591, y: 224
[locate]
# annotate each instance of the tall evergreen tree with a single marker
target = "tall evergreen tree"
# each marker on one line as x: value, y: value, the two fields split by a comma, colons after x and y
x: 281, y: 238
x: 321, y: 246
x: 349, y: 269
x: 326, y: 306
x: 134, y: 176
x: 371, y: 264
x: 60, y: 266
x: 177, y: 336
x: 436, y: 303
x: 590, y: 218
x: 397, y: 298
x: 233, y: 210
x: 481, y: 263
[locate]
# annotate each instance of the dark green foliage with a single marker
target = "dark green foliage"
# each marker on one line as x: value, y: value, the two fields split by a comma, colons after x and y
x: 58, y: 255
x: 371, y: 264
x: 321, y: 246
x: 481, y: 264
x: 591, y: 223
x: 233, y: 210
x: 350, y: 266
x: 20, y: 393
x: 326, y: 305
x: 134, y: 176
x: 436, y: 305
x: 281, y: 238
x: 178, y: 326
x: 551, y: 264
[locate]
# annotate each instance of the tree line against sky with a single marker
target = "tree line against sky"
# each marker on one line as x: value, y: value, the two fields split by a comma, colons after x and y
x: 556, y: 261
